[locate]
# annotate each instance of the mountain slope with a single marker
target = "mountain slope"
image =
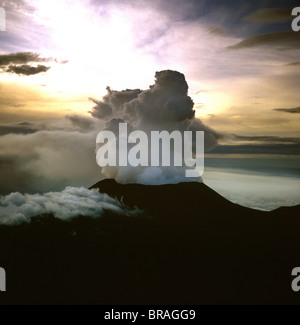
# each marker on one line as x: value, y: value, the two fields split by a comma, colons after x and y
x: 184, y: 202
x: 189, y: 246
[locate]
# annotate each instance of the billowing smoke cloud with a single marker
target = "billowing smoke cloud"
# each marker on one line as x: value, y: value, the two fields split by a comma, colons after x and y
x: 72, y: 202
x: 164, y: 106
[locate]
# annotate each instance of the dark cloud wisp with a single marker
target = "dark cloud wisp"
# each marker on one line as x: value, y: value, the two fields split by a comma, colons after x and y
x: 294, y: 64
x: 26, y: 69
x: 17, y: 128
x: 295, y: 110
x: 21, y: 63
x: 287, y: 39
x: 270, y: 15
x: 81, y: 122
x: 21, y: 58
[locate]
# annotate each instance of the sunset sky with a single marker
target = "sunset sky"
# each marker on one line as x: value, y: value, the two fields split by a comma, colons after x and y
x: 241, y: 61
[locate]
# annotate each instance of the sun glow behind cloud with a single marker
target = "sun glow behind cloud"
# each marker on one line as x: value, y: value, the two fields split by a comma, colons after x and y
x: 121, y: 43
x: 98, y: 43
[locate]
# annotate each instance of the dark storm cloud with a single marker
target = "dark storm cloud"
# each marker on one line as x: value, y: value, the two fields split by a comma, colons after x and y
x: 295, y: 110
x: 288, y: 39
x: 270, y: 15
x: 21, y: 58
x: 26, y: 70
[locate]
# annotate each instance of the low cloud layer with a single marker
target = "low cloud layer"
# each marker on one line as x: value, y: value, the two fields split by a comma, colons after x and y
x: 72, y: 202
x: 266, y: 139
x: 48, y: 155
x: 258, y: 145
x: 254, y: 189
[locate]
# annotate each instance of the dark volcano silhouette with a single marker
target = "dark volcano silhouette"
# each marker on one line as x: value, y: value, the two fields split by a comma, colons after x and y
x: 189, y: 245
x: 190, y: 202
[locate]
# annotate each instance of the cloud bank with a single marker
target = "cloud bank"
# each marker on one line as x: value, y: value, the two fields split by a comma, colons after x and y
x: 48, y: 155
x: 72, y: 202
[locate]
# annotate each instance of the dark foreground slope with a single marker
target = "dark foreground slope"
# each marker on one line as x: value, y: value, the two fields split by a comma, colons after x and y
x: 189, y: 246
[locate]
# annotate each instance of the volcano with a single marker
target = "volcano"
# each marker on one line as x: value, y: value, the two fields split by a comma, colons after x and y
x: 188, y: 245
x: 185, y: 203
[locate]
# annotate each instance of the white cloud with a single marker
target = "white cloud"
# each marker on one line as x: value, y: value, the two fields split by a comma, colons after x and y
x: 16, y: 208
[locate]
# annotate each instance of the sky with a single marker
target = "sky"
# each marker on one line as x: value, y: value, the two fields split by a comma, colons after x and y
x: 240, y: 60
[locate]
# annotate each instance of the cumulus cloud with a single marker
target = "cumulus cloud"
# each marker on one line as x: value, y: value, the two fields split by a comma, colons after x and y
x: 72, y: 202
x: 164, y: 106
x: 26, y: 69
